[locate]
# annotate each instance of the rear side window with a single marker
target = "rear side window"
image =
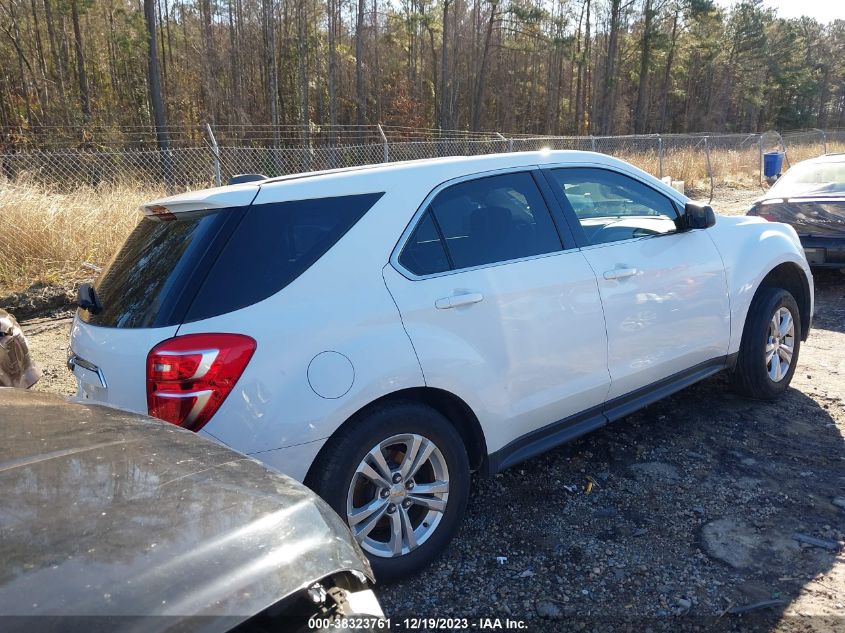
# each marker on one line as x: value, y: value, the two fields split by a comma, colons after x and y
x: 273, y: 245
x: 144, y: 284
x: 482, y: 221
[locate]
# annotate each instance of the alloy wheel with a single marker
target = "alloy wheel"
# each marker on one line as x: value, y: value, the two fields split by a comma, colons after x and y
x: 780, y: 344
x: 398, y: 495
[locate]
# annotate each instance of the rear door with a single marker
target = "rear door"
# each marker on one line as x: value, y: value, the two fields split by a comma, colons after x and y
x: 499, y: 309
x: 664, y: 292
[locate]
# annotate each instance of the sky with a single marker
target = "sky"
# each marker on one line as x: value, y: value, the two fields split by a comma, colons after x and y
x: 821, y: 10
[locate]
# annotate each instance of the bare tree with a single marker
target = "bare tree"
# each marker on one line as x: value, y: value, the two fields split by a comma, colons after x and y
x: 82, y: 76
x: 481, y: 79
x: 155, y: 91
x: 667, y: 72
x: 269, y: 23
x: 645, y: 60
x: 360, y: 88
x: 445, y: 80
x: 332, y: 9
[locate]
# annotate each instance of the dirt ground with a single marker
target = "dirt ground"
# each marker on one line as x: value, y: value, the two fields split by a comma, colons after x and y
x: 707, y: 511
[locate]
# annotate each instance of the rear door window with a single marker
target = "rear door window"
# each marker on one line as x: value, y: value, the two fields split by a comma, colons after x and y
x: 482, y: 221
x: 424, y: 254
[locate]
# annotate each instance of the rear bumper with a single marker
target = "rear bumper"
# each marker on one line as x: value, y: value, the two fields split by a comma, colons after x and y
x: 293, y: 461
x: 824, y: 252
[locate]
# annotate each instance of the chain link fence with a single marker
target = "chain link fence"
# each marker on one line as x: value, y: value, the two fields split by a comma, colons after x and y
x: 203, y: 157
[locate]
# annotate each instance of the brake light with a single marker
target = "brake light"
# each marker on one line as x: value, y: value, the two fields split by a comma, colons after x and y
x: 766, y: 216
x: 189, y: 377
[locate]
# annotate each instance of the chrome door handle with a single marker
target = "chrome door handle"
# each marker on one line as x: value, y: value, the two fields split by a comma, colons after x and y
x: 620, y: 273
x: 456, y: 301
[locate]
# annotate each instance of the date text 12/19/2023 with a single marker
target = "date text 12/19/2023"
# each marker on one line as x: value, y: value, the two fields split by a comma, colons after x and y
x: 417, y: 624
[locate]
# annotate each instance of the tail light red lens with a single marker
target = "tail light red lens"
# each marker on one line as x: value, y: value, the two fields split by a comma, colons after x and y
x: 189, y: 377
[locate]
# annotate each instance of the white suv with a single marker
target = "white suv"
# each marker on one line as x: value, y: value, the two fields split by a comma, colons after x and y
x: 380, y: 332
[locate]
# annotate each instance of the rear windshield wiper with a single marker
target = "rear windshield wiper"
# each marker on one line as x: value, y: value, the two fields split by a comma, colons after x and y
x: 87, y: 299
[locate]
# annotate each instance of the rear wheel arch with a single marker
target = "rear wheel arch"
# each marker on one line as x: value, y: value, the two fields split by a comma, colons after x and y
x: 790, y: 277
x: 450, y: 406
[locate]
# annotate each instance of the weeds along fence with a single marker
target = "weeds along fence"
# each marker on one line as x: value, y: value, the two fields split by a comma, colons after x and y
x: 65, y: 159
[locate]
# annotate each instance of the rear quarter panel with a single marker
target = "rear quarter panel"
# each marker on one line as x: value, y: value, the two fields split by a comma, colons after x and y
x: 340, y: 305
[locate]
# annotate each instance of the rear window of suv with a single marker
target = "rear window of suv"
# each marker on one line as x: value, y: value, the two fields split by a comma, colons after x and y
x: 202, y: 265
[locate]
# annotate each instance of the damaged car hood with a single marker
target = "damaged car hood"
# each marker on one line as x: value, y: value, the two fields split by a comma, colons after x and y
x: 110, y: 513
x: 820, y: 217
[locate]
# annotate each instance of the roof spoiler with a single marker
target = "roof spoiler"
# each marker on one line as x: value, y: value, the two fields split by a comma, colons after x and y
x: 238, y: 179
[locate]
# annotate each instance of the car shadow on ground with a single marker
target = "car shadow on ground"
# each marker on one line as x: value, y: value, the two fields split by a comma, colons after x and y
x: 696, y: 507
x: 830, y: 300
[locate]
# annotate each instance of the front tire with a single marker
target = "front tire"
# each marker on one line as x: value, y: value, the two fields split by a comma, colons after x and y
x: 768, y: 353
x: 399, y: 474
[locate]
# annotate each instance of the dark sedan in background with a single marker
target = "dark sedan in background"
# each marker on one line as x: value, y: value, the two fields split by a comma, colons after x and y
x: 114, y: 521
x: 811, y: 198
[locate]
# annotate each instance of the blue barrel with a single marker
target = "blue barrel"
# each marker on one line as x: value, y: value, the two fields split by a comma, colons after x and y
x: 772, y: 164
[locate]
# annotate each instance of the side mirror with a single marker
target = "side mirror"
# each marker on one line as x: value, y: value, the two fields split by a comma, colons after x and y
x: 697, y: 216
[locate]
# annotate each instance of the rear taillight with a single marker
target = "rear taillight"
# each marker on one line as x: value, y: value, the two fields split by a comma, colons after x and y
x: 756, y: 212
x: 189, y: 377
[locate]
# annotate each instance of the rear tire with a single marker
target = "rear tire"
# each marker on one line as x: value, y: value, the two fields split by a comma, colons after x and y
x: 406, y: 505
x: 771, y: 340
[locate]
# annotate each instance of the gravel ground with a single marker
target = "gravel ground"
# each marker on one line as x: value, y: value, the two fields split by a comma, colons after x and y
x: 692, y: 513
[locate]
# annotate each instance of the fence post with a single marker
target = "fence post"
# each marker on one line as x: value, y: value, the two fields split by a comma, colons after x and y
x: 660, y: 155
x: 593, y: 142
x: 824, y: 140
x: 386, y: 146
x: 218, y: 180
x: 709, y: 165
x: 760, y: 160
x: 504, y: 140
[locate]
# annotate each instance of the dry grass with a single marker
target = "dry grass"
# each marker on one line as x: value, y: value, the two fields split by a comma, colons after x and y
x: 738, y: 169
x: 46, y: 237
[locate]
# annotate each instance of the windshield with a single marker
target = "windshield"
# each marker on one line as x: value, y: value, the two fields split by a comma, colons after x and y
x: 811, y: 179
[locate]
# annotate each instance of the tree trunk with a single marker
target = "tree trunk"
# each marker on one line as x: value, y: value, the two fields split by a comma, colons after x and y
x: 155, y: 91
x: 332, y: 79
x: 609, y: 84
x: 207, y: 61
x: 58, y: 64
x: 645, y: 59
x: 269, y: 19
x: 667, y: 73
x: 376, y: 62
x: 583, y: 123
x: 478, y: 105
x: 302, y: 65
x: 360, y: 88
x: 445, y: 81
x: 84, y: 97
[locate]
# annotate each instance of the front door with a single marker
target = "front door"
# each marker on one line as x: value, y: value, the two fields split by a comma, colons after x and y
x: 664, y: 292
x: 499, y: 312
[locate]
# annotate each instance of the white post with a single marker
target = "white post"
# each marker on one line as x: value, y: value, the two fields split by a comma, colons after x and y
x: 218, y: 179
x: 660, y: 154
x: 386, y: 146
